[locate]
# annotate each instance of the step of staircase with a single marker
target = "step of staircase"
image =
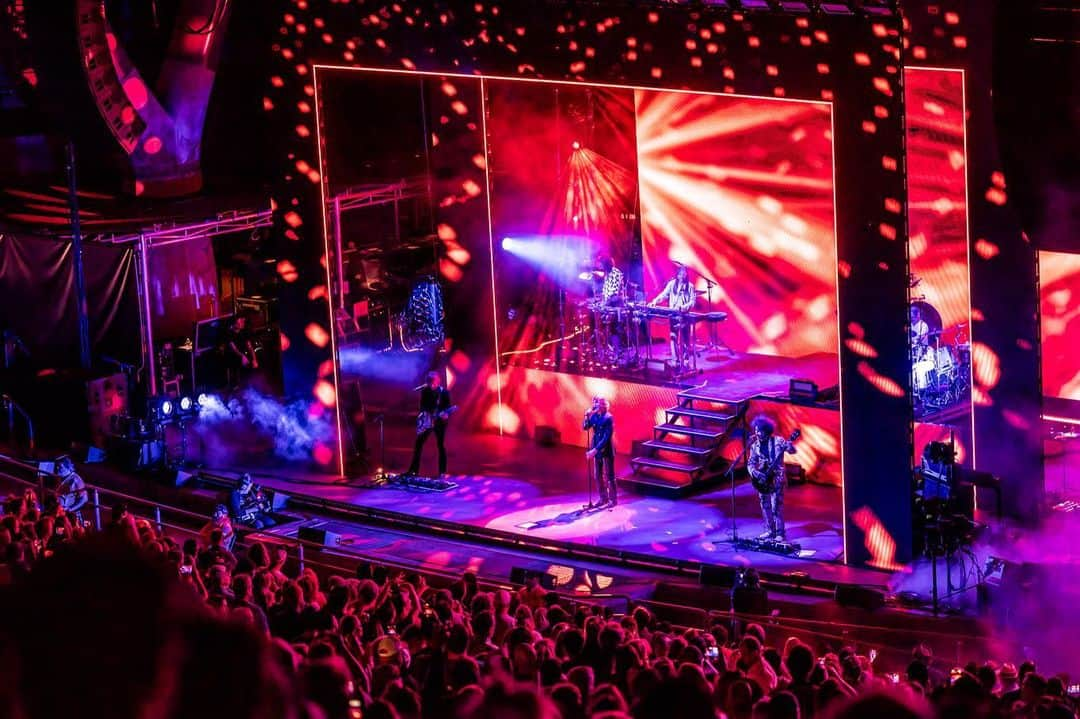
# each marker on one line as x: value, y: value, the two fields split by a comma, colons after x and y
x: 708, y: 394
x: 700, y: 414
x: 688, y: 431
x: 653, y: 463
x: 680, y: 448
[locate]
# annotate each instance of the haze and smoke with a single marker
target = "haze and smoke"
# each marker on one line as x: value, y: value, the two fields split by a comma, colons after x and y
x: 1029, y: 607
x: 252, y: 424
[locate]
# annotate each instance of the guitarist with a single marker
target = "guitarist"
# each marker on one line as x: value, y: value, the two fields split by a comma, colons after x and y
x: 767, y: 475
x: 435, y: 410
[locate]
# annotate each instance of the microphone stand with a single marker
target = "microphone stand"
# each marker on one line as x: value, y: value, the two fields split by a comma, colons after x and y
x: 588, y: 463
x: 710, y: 283
x: 730, y: 474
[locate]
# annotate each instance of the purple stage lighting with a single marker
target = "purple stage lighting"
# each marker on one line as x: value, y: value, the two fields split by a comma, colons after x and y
x: 560, y: 257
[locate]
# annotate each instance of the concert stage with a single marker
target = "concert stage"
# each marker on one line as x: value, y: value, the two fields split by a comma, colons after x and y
x: 512, y: 491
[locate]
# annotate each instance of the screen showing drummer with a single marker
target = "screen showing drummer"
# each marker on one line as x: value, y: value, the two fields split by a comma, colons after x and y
x: 940, y: 361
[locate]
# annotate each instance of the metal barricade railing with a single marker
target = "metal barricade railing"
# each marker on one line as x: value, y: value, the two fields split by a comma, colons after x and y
x: 825, y: 630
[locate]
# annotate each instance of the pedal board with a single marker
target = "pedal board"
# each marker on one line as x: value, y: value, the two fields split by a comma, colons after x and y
x: 415, y: 483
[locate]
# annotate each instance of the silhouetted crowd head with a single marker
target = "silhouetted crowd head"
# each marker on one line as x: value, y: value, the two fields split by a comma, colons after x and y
x: 128, y: 622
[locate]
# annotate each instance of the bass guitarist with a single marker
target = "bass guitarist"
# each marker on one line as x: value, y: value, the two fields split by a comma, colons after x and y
x: 435, y: 411
x: 766, y: 468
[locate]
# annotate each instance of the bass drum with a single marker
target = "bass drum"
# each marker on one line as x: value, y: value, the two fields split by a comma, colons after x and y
x: 923, y: 375
x: 944, y: 361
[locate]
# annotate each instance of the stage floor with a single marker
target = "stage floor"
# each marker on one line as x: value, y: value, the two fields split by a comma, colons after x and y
x: 518, y: 487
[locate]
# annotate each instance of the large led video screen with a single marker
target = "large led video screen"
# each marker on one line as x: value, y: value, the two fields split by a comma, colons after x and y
x: 1059, y: 296
x: 938, y: 246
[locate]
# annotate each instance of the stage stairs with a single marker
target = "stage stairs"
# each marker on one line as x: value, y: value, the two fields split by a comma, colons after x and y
x: 685, y: 453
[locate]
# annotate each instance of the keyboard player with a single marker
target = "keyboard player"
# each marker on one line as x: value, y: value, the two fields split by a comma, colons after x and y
x: 680, y: 295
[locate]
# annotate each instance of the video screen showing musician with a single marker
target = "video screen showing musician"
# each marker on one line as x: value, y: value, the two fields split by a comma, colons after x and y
x: 766, y: 467
x: 71, y: 491
x: 609, y: 295
x: 601, y: 450
x: 434, y: 415
x: 679, y: 294
x: 248, y: 505
x: 920, y: 332
x: 240, y: 358
x: 609, y: 282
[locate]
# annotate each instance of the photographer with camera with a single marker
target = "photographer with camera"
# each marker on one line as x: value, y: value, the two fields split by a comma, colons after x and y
x: 249, y: 505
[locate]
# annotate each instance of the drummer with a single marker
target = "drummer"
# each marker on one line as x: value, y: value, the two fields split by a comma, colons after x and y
x: 920, y: 333
x: 609, y: 291
x: 609, y: 281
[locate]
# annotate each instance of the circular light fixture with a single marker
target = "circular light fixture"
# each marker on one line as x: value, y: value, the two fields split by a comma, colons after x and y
x: 186, y: 404
x: 166, y: 407
x: 203, y: 399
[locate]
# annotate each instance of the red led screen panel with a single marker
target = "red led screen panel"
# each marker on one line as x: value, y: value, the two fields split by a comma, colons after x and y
x: 1059, y: 298
x: 533, y: 397
x: 817, y: 451
x: 938, y: 246
x: 741, y: 190
x: 937, y: 208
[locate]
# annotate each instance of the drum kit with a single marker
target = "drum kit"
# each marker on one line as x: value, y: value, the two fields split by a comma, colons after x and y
x: 611, y: 332
x: 940, y: 362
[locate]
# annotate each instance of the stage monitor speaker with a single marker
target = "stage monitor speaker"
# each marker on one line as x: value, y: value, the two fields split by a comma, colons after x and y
x: 278, y: 500
x: 520, y: 575
x: 183, y: 477
x: 318, y: 535
x: 850, y: 595
x: 547, y: 436
x: 713, y: 576
x: 803, y: 391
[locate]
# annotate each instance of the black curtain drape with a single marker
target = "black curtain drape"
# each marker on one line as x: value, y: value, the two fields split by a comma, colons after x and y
x: 37, y: 300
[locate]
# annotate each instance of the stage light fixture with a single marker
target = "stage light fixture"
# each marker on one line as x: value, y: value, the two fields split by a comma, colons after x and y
x: 576, y: 145
x: 187, y: 407
x: 203, y: 399
x: 161, y: 409
x: 509, y: 244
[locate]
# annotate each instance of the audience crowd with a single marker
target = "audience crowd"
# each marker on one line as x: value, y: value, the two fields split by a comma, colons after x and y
x: 129, y: 622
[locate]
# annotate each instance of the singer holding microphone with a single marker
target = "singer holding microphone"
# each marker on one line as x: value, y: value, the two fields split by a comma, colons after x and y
x: 602, y: 449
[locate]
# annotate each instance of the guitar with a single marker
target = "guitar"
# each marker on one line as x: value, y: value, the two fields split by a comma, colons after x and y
x: 764, y: 476
x: 426, y: 420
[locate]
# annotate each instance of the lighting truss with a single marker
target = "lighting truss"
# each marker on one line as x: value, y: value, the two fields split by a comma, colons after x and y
x: 166, y: 234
